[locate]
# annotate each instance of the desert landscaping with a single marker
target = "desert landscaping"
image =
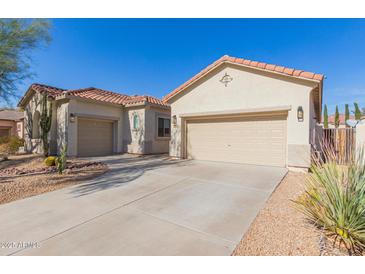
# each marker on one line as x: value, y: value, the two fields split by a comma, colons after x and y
x: 23, y: 176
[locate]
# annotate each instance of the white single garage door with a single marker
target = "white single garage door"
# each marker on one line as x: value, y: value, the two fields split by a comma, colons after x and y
x: 259, y: 140
x: 95, y: 137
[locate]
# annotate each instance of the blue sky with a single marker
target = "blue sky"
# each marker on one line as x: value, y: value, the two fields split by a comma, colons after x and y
x: 154, y: 56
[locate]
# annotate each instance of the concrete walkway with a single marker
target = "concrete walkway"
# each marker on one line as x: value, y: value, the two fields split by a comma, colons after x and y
x: 142, y: 206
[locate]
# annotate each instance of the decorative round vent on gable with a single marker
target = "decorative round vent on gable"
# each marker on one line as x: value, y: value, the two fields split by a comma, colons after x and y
x: 226, y: 79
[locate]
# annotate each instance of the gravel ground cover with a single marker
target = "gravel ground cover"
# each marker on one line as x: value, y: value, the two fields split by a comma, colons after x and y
x: 26, y: 175
x: 280, y: 229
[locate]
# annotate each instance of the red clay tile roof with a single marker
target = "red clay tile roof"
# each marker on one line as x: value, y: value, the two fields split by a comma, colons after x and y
x: 97, y: 95
x: 268, y: 67
x: 52, y: 91
x: 331, y: 119
x: 140, y: 99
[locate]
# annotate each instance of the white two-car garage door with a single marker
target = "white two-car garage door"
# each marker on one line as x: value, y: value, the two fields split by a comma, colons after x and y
x: 259, y: 140
x: 95, y: 137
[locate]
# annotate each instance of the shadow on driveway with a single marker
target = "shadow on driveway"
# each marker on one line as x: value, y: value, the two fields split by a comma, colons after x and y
x: 124, y: 169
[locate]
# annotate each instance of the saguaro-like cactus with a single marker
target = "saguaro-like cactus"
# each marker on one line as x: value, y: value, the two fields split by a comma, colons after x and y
x: 45, y: 123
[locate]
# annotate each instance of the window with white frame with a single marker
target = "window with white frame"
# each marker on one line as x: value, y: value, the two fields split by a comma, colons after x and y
x: 163, y: 126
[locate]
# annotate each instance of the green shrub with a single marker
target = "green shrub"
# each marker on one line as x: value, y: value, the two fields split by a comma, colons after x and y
x: 10, y: 145
x: 334, y: 200
x: 61, y: 160
x: 50, y: 161
x: 4, y: 140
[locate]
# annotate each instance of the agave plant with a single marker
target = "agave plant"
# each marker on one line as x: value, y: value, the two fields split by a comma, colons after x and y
x: 334, y: 199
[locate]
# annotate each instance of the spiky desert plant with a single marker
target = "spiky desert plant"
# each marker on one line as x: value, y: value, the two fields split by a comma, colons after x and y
x: 337, y: 118
x: 325, y: 117
x: 357, y: 112
x: 334, y: 199
x: 45, y: 123
x: 61, y: 160
x: 347, y: 114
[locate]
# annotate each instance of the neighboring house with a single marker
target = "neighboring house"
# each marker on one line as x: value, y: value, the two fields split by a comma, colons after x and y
x: 11, y: 123
x: 95, y: 122
x: 331, y: 120
x: 243, y: 111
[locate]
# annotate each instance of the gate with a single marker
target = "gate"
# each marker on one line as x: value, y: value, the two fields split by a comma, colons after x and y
x: 342, y: 141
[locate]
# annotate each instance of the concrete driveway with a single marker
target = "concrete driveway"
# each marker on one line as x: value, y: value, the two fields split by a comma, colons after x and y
x: 143, y: 206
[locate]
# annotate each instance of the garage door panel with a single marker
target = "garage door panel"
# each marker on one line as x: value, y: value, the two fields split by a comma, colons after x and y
x: 251, y: 140
x: 95, y: 137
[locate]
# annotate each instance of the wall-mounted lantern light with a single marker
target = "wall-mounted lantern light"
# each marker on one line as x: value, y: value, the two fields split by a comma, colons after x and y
x: 174, y: 122
x: 72, y: 118
x: 300, y: 114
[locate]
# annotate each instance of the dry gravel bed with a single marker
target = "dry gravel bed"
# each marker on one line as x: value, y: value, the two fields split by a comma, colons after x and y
x: 16, y: 183
x: 279, y: 229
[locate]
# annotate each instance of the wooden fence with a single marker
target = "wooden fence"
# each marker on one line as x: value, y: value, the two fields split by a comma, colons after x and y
x: 342, y: 141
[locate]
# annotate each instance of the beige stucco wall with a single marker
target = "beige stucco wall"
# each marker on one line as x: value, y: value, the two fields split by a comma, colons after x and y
x: 144, y: 140
x: 34, y: 145
x: 134, y: 139
x: 95, y: 110
x: 360, y: 137
x: 249, y: 89
x: 153, y: 143
x: 31, y: 144
x: 62, y: 122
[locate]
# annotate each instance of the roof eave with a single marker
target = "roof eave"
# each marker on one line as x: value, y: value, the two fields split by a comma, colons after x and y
x: 145, y: 103
x: 22, y: 100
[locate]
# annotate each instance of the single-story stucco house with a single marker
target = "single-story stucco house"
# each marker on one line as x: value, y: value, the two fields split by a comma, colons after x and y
x: 94, y: 122
x: 11, y: 123
x: 243, y: 111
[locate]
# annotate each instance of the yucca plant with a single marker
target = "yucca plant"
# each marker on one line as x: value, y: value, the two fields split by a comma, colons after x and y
x: 334, y: 199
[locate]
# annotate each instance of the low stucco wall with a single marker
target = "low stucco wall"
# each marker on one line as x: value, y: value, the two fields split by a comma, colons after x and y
x: 249, y: 89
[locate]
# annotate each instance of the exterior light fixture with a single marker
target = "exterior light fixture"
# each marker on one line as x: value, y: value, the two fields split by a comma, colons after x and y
x: 226, y: 79
x: 300, y: 114
x: 72, y: 118
x: 174, y: 122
